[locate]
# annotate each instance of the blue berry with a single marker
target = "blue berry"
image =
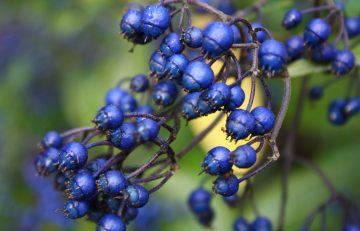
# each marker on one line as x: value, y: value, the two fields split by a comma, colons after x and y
x: 203, y: 106
x: 351, y: 227
x: 218, y: 38
x: 231, y: 200
x: 147, y: 129
x: 171, y: 45
x: 123, y: 137
x: 240, y: 124
x: 226, y: 185
x: 261, y: 35
x: 111, y: 182
x: 352, y: 26
x: 237, y: 97
x: 264, y: 120
x: 343, y: 62
x: 96, y: 165
x: 317, y: 31
x: 157, y: 64
x: 139, y: 83
x: 336, y: 112
x: 206, y: 217
x: 236, y: 33
x: 261, y: 224
x: 123, y: 99
x: 110, y: 222
x: 226, y: 6
x: 75, y: 209
x: 155, y: 20
x: 217, y: 95
x: 61, y: 180
x: 188, y: 108
x: 294, y: 47
x: 176, y: 65
x: 199, y: 200
x: 145, y: 109
x: 165, y: 93
x: 352, y: 106
x: 272, y: 56
x: 51, y: 139
x: 323, y: 53
x: 130, y: 24
x: 316, y: 93
x: 82, y: 186
x: 138, y: 196
x: 193, y: 37
x: 244, y: 156
x: 47, y: 162
x: 241, y: 224
x: 197, y: 76
x: 292, y: 18
x: 72, y: 156
x: 109, y: 117
x: 130, y: 214
x: 217, y: 161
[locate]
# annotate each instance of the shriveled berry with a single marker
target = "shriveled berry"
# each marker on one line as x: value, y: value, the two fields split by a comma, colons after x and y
x: 47, y: 161
x: 240, y: 124
x: 138, y: 196
x: 188, y: 108
x: 294, y: 47
x: 176, y: 65
x: 123, y: 137
x: 272, y: 56
x: 157, y: 64
x: 110, y: 222
x: 292, y: 18
x: 111, y: 182
x: 147, y: 129
x: 171, y: 45
x: 226, y: 185
x: 197, y: 76
x: 155, y: 20
x: 109, y: 117
x: 317, y: 31
x: 264, y: 120
x: 237, y: 97
x: 51, y: 139
x: 193, y: 37
x: 165, y: 93
x: 217, y: 161
x: 241, y: 224
x: 139, y: 83
x: 343, y: 62
x: 82, y: 186
x: 75, y: 209
x: 72, y: 156
x: 244, y: 156
x: 261, y: 224
x: 218, y: 38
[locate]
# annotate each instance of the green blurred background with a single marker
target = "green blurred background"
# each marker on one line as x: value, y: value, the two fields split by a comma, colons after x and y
x: 58, y: 58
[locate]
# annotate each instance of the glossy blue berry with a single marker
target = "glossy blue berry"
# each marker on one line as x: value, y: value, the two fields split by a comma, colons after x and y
x: 130, y: 214
x: 199, y: 200
x: 123, y: 137
x: 189, y: 105
x: 218, y: 38
x: 261, y: 35
x: 217, y: 161
x: 352, y: 26
x: 217, y: 95
x: 75, y: 209
x: 155, y: 20
x: 147, y: 129
x: 47, y: 162
x: 51, y: 139
x: 272, y: 56
x: 130, y: 24
x: 226, y: 185
x: 111, y: 182
x: 109, y: 117
x: 351, y: 227
x: 352, y: 106
x: 294, y: 47
x: 237, y: 97
x: 316, y: 92
x: 171, y: 45
x: 336, y: 112
x: 193, y: 37
x: 244, y: 156
x: 240, y: 124
x: 203, y: 106
x: 323, y: 53
x: 110, y: 222
x: 317, y: 31
x: 157, y: 64
x: 138, y: 196
x: 197, y: 76
x: 261, y: 224
x: 292, y: 18
x: 343, y: 62
x: 176, y: 65
x: 264, y: 120
x: 241, y: 224
x: 165, y: 93
x: 82, y: 186
x: 72, y: 156
x: 123, y: 99
x: 139, y: 83
x: 96, y: 164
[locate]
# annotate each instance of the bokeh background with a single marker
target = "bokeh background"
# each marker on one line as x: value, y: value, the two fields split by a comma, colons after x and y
x: 58, y: 58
